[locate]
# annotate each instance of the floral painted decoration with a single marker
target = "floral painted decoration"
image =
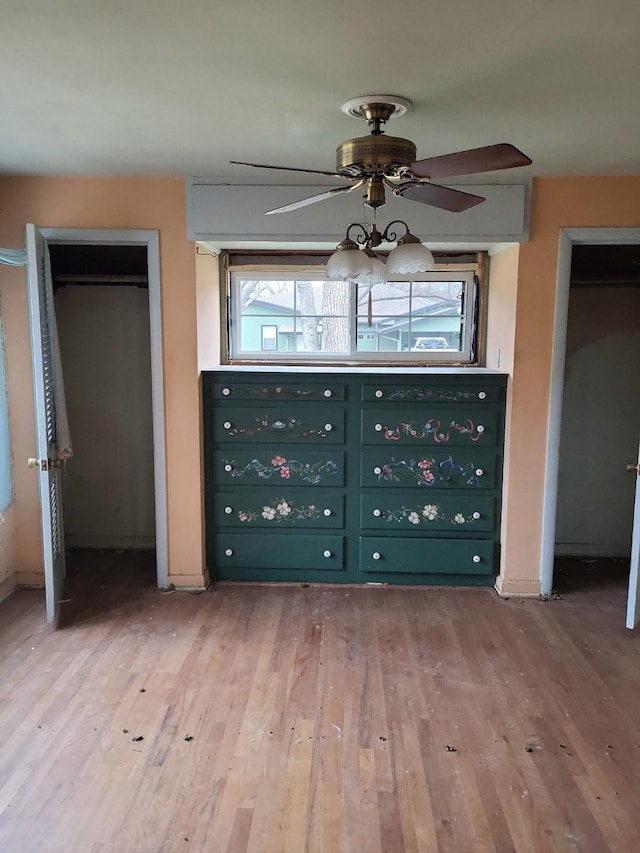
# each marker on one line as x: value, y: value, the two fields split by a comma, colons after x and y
x: 442, y: 395
x: 274, y: 426
x: 276, y: 392
x: 279, y: 510
x: 308, y: 472
x: 426, y: 514
x: 432, y: 430
x: 428, y: 472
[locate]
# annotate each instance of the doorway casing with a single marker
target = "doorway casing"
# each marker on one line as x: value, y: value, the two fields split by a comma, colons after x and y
x: 150, y: 240
x: 568, y: 238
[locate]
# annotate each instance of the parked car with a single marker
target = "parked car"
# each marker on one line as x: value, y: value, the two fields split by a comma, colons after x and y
x: 430, y: 343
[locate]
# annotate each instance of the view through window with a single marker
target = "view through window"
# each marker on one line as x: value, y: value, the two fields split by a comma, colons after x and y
x: 281, y: 315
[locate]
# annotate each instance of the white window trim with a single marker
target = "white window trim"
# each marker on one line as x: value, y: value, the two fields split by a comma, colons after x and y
x: 355, y: 357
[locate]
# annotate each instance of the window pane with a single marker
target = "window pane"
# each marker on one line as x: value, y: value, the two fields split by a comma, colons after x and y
x: 437, y: 316
x: 308, y: 334
x: 323, y: 334
x: 438, y: 291
x: 323, y: 298
x: 411, y: 316
x: 251, y: 326
x: 284, y: 315
x: 322, y: 321
x: 336, y: 334
x: 392, y: 298
x: 257, y: 295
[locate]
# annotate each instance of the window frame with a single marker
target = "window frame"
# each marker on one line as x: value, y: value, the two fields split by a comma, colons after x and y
x: 467, y: 273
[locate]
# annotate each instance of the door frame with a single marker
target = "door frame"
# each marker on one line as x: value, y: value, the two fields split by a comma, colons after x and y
x: 569, y: 237
x: 151, y: 240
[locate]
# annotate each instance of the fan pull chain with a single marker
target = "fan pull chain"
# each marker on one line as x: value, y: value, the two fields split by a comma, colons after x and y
x: 370, y: 308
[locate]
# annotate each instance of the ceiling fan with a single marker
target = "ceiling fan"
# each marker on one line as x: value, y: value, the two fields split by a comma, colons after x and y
x: 377, y: 161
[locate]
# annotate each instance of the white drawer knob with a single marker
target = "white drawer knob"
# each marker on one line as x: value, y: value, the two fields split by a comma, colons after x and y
x: 328, y: 427
x: 228, y: 552
x: 228, y: 510
x: 482, y: 395
x: 377, y: 470
x: 479, y: 472
x: 480, y: 428
x: 327, y: 554
x: 376, y: 555
x: 379, y: 393
x: 326, y: 512
x: 476, y: 558
x: 377, y: 513
x: 227, y: 424
x: 327, y: 392
x: 226, y: 392
x: 378, y: 427
x: 228, y: 467
x: 476, y: 515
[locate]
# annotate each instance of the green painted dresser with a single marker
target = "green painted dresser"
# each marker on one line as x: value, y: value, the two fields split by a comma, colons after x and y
x: 353, y: 477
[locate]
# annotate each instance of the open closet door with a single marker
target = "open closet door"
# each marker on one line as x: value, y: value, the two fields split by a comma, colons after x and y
x: 633, y: 598
x: 48, y: 462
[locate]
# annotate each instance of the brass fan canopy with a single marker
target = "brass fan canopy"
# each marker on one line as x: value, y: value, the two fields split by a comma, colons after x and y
x: 373, y: 154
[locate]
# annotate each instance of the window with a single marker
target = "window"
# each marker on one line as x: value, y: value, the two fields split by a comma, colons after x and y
x: 269, y: 337
x: 282, y: 314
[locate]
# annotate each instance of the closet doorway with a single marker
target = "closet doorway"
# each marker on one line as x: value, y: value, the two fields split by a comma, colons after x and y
x: 600, y: 424
x: 108, y: 312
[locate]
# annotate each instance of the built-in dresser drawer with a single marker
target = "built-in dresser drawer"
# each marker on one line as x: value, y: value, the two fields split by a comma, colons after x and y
x: 386, y: 554
x: 429, y: 470
x: 279, y: 551
x: 398, y: 511
x: 262, y: 508
x: 431, y: 393
x: 285, y: 390
x: 275, y: 466
x: 430, y: 425
x: 290, y: 423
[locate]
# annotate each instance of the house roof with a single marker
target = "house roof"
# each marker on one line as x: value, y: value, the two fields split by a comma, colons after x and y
x: 166, y: 88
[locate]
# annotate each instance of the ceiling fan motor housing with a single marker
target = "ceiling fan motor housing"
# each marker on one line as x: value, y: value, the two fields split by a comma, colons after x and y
x: 373, y: 155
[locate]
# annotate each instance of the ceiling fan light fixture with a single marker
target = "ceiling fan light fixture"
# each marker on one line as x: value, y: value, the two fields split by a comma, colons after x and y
x: 378, y: 274
x: 410, y: 256
x: 348, y: 262
x: 357, y: 262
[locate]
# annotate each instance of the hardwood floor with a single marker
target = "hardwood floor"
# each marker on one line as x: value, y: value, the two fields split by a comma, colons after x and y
x: 323, y: 719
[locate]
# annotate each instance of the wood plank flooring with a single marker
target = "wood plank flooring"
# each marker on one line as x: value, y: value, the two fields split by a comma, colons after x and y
x: 306, y: 719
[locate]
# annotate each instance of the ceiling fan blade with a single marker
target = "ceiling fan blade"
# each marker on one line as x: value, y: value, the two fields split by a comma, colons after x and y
x: 312, y: 199
x: 443, y: 197
x: 487, y: 159
x: 288, y: 169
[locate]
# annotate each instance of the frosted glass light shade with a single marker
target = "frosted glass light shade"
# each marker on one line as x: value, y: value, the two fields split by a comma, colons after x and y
x: 378, y: 274
x: 348, y: 265
x: 410, y: 257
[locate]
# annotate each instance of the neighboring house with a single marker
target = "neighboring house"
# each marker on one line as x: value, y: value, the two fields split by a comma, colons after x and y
x: 525, y: 281
x: 271, y: 321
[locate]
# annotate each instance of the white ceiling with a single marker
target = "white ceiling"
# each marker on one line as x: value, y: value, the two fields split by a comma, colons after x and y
x: 150, y: 87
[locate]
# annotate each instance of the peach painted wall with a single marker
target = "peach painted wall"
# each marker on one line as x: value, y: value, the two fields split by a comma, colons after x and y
x: 121, y: 203
x: 500, y: 340
x: 501, y: 309
x: 521, y: 314
x: 557, y: 203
